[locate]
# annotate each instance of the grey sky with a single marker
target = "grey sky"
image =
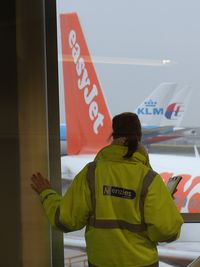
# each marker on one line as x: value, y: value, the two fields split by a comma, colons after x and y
x: 142, y: 29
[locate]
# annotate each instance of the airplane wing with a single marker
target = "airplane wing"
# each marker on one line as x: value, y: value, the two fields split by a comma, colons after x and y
x: 156, y: 134
x: 159, y: 134
x: 175, y: 256
x: 159, y: 138
x: 74, y: 242
x: 155, y: 130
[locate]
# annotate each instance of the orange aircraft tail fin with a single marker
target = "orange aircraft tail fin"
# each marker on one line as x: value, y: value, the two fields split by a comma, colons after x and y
x: 87, y: 117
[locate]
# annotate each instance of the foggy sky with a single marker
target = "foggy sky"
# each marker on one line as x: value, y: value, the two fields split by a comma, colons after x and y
x: 151, y: 30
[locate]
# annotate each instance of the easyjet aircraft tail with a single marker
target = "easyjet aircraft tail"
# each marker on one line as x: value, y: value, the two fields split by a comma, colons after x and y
x: 87, y: 115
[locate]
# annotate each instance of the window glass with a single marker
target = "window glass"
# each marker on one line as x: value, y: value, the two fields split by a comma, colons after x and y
x: 138, y: 56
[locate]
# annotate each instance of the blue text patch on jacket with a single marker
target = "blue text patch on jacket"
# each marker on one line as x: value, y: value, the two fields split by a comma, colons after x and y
x: 118, y: 192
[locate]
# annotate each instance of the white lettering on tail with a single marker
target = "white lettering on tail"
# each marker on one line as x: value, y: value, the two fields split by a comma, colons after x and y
x: 83, y: 82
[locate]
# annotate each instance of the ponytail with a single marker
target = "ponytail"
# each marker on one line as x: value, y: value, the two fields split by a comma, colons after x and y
x: 132, y: 144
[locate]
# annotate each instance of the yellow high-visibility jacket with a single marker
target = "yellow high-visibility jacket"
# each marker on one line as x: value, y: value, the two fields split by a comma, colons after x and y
x: 124, y: 205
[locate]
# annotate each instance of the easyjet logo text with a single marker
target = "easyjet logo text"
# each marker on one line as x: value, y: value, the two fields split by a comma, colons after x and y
x: 89, y: 90
x: 187, y: 197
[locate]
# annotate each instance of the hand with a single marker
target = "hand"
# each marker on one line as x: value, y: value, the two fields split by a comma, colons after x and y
x: 39, y: 183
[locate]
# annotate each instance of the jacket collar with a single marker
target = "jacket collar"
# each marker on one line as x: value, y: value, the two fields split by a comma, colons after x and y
x: 115, y: 152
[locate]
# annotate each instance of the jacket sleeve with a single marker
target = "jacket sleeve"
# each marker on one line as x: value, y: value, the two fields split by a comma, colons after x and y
x: 161, y: 215
x: 70, y: 212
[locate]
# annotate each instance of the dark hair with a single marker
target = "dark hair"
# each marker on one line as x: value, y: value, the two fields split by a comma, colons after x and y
x: 127, y: 125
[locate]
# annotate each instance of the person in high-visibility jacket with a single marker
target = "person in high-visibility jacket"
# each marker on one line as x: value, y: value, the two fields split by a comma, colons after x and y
x: 123, y: 203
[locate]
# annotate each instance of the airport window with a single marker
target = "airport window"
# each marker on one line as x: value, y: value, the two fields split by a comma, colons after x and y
x: 141, y: 57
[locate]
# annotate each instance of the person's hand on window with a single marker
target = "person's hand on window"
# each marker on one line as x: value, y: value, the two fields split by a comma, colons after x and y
x: 39, y: 183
